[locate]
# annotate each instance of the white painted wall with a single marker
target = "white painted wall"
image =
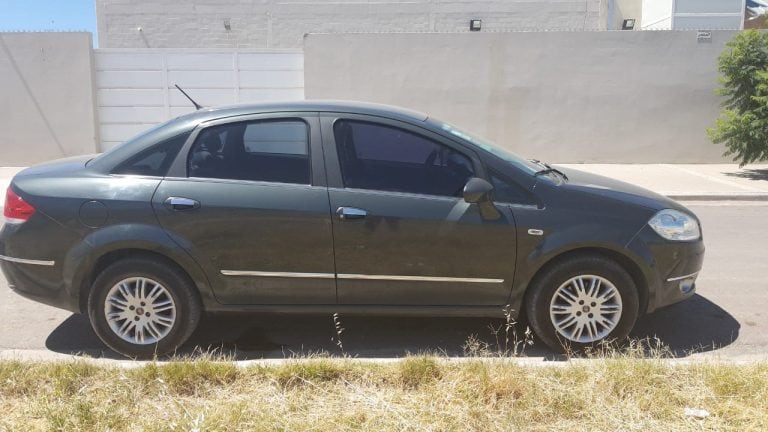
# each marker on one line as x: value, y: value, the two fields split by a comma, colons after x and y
x: 693, y: 14
x: 657, y: 15
x: 46, y: 97
x: 568, y: 97
x: 283, y: 23
x: 135, y: 88
x: 708, y: 15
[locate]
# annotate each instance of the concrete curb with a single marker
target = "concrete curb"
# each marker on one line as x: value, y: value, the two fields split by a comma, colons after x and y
x: 38, y: 355
x: 719, y: 197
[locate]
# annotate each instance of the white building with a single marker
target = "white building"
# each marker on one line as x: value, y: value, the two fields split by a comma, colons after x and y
x: 283, y: 23
x: 694, y: 14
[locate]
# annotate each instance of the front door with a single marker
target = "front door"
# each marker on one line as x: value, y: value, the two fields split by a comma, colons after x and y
x: 403, y: 235
x: 252, y: 208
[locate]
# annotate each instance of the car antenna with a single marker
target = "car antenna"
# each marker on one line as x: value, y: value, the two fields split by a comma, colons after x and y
x: 197, y: 105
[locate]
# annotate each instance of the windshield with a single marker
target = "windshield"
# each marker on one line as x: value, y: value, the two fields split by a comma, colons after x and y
x: 517, y: 161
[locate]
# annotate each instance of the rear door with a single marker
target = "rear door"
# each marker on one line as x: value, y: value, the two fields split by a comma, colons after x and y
x: 403, y: 234
x: 247, y: 198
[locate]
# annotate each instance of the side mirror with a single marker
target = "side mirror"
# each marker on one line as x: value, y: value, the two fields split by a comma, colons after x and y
x: 477, y: 190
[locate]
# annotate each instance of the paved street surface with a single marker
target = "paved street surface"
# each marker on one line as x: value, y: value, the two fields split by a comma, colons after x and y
x: 728, y: 318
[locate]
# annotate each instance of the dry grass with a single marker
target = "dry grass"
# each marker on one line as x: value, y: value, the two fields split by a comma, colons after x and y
x: 418, y: 394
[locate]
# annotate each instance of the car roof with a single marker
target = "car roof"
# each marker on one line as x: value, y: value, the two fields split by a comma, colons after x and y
x: 207, y: 114
x: 187, y: 122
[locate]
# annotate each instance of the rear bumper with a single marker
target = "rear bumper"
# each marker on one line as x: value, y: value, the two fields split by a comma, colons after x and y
x: 672, y: 267
x: 32, y: 265
x: 33, y: 282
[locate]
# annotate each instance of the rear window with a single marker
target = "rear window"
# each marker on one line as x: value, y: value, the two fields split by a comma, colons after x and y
x: 155, y: 160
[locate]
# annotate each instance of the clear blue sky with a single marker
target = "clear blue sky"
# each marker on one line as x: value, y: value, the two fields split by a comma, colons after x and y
x: 48, y: 15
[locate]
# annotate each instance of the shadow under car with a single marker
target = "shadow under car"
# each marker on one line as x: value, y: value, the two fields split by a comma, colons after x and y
x: 696, y: 325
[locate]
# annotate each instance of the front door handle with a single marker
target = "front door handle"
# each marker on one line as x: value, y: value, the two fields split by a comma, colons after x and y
x: 351, y: 213
x: 181, y: 203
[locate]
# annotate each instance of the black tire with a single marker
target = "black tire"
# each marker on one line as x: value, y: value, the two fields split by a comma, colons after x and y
x: 177, y: 284
x: 545, y: 285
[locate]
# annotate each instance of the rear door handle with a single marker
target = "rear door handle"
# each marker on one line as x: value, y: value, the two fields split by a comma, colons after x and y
x: 351, y: 213
x: 181, y: 203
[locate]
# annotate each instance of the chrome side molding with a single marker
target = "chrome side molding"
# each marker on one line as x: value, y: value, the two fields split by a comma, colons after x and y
x: 27, y: 261
x: 357, y: 276
x: 278, y: 274
x: 672, y: 279
x: 418, y: 278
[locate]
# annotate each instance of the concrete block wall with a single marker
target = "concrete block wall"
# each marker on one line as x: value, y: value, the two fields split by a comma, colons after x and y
x: 283, y: 23
x: 47, y: 108
x: 630, y: 97
x: 567, y: 97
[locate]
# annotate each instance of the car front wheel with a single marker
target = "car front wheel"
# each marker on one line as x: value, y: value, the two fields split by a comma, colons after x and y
x: 143, y: 308
x: 582, y: 301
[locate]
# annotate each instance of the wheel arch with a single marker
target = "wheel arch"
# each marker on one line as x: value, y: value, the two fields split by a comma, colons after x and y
x: 105, y: 247
x: 627, y: 263
x: 113, y: 256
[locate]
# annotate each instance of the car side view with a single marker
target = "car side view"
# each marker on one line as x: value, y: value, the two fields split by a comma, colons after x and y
x: 322, y: 207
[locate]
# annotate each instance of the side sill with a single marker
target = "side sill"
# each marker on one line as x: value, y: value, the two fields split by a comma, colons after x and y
x: 376, y: 310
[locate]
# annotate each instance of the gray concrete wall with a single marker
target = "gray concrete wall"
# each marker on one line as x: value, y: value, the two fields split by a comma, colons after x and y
x: 283, y: 23
x: 46, y: 97
x: 628, y: 97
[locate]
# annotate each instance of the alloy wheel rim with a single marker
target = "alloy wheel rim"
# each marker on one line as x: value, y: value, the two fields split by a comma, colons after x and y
x: 140, y: 310
x: 585, y: 308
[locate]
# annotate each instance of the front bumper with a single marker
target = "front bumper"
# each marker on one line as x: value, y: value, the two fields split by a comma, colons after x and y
x: 671, y: 267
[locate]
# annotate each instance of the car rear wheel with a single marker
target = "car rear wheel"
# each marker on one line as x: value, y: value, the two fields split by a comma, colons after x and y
x: 582, y: 301
x: 143, y: 308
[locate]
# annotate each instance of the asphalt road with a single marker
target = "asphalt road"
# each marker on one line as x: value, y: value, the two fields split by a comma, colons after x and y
x: 728, y: 318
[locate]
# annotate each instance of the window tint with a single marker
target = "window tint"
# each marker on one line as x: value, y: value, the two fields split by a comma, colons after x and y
x: 276, y: 137
x: 379, y: 157
x: 155, y: 160
x: 505, y: 190
x: 272, y: 150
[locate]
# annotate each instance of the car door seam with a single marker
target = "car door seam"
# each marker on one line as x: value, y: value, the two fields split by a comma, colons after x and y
x: 323, y: 145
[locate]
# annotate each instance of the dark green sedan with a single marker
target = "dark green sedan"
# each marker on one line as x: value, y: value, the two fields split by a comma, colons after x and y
x: 323, y: 207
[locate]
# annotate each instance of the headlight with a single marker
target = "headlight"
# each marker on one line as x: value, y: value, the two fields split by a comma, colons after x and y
x: 675, y: 225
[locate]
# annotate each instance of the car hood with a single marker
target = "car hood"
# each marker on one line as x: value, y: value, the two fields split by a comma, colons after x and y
x: 606, y: 187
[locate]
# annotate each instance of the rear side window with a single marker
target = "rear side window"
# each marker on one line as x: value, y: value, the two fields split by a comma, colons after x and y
x: 268, y: 150
x: 381, y: 157
x: 155, y: 160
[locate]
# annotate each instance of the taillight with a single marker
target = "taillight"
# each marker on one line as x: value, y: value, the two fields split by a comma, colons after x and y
x: 16, y: 209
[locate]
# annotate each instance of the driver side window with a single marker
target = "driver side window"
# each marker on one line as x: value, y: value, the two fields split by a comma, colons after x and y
x: 379, y: 157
